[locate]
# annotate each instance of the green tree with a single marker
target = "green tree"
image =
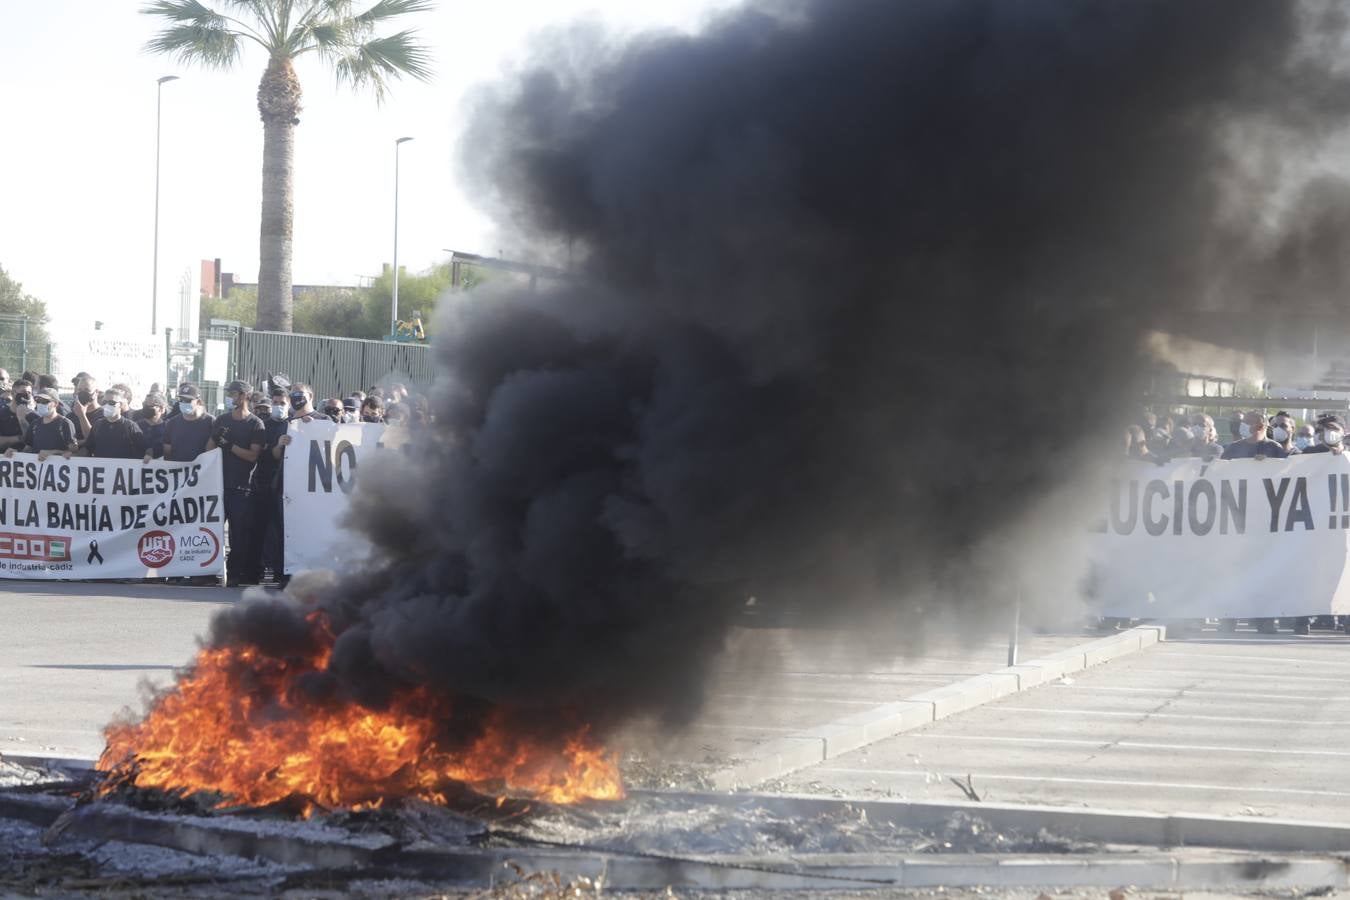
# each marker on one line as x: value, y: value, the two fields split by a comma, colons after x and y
x: 238, y: 305
x: 417, y: 292
x: 22, y: 342
x: 335, y: 311
x: 285, y: 30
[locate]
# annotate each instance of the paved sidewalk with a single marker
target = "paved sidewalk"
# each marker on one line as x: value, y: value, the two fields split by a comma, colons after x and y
x: 1242, y: 724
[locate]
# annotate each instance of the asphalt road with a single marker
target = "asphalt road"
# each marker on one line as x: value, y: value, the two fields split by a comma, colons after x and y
x: 74, y: 655
x: 1241, y: 724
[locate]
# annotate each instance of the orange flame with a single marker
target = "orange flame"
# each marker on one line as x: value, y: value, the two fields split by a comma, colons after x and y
x: 234, y: 725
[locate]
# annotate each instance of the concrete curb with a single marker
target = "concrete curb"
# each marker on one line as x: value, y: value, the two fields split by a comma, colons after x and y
x: 806, y: 748
x: 493, y: 867
x: 1097, y: 826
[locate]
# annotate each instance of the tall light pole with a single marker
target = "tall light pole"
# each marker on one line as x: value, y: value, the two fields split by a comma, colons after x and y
x: 154, y: 282
x: 393, y: 307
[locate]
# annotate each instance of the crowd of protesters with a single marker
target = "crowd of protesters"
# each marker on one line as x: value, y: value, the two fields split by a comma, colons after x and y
x: 250, y: 429
x: 1251, y: 435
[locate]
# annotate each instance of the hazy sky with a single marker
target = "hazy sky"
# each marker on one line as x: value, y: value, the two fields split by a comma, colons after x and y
x: 77, y: 158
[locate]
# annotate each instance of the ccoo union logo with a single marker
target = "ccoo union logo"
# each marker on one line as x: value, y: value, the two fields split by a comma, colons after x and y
x: 155, y: 549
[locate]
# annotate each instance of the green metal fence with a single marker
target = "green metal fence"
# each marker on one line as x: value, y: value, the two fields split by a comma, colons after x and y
x: 22, y: 345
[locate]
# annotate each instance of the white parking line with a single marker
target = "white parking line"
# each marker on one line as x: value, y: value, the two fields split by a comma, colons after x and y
x: 1297, y: 660
x: 1222, y: 674
x: 1161, y: 715
x: 765, y: 698
x: 1056, y: 779
x: 1130, y: 745
x: 1188, y: 692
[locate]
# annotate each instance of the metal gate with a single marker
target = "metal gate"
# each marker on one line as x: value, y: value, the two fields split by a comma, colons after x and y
x: 333, y: 366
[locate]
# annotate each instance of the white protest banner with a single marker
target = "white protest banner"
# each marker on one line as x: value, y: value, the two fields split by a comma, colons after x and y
x: 110, y: 518
x: 319, y: 473
x: 136, y: 360
x: 1225, y: 539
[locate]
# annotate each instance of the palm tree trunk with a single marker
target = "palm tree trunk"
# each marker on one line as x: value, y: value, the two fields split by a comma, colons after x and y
x: 279, y: 106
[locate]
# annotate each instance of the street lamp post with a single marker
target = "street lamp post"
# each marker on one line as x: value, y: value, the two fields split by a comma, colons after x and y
x: 393, y: 306
x: 154, y: 281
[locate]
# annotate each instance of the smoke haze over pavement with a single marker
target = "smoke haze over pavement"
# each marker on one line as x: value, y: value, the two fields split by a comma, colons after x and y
x: 854, y: 279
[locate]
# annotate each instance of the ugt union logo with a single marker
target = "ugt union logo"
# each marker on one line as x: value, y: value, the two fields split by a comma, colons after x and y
x: 155, y: 548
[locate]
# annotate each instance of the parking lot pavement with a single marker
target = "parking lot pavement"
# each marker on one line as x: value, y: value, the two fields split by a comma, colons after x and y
x: 1240, y: 724
x: 73, y: 654
x: 774, y: 682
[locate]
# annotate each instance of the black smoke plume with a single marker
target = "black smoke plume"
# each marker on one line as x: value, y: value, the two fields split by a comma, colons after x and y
x: 856, y: 284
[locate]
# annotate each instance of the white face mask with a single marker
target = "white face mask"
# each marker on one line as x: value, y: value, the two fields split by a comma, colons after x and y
x: 278, y: 411
x: 1244, y: 430
x: 1280, y: 434
x: 1332, y: 436
x: 110, y: 410
x: 1303, y: 442
x: 43, y: 409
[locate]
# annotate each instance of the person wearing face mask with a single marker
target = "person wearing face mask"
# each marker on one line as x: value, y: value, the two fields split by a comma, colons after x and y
x: 1305, y: 438
x: 114, y: 436
x: 14, y: 418
x: 152, y: 422
x: 50, y: 432
x: 1282, y: 433
x: 268, y: 506
x: 188, y: 434
x: 372, y: 411
x: 85, y: 411
x: 240, y: 435
x: 1330, y: 436
x: 331, y: 409
x: 1204, y: 441
x: 1255, y: 445
x: 302, y: 403
x: 351, y: 411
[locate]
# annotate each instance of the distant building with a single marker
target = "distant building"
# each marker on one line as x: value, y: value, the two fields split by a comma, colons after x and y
x: 216, y: 283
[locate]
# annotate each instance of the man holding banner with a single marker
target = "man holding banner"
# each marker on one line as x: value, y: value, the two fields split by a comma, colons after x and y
x: 240, y: 435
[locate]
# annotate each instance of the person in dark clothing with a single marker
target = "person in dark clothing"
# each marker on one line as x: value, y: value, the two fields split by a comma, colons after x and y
x: 85, y: 411
x: 188, y: 434
x: 152, y: 422
x: 14, y: 418
x: 113, y: 435
x: 49, y: 432
x: 1256, y: 445
x: 268, y: 505
x: 240, y: 435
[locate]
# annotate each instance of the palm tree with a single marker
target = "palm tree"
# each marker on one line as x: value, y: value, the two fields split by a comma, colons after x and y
x: 287, y: 29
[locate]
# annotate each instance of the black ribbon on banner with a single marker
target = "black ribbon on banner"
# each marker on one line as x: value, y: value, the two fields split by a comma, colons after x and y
x: 94, y: 554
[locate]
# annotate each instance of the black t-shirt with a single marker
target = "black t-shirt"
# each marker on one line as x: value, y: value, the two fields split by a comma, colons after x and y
x: 244, y: 433
x: 1322, y: 448
x: 266, y: 475
x: 58, y: 435
x: 187, y: 437
x: 10, y: 426
x: 94, y: 418
x: 118, y: 438
x: 154, y: 436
